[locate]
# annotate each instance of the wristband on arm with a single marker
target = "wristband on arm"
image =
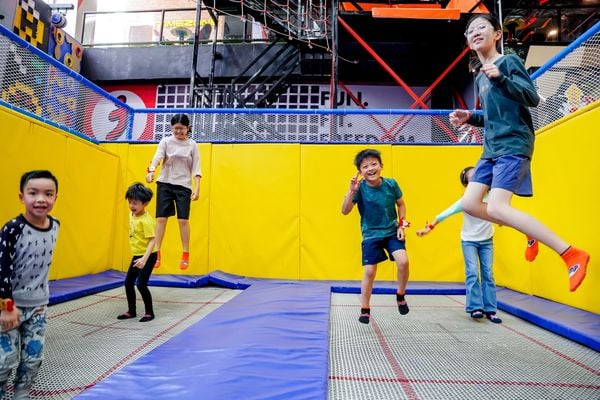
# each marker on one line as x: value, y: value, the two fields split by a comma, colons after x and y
x: 402, y: 223
x: 7, y: 305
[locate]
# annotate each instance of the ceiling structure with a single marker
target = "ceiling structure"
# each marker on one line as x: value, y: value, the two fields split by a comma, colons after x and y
x: 548, y: 21
x: 419, y: 50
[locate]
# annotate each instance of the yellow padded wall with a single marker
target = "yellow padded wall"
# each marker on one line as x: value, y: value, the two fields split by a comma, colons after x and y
x: 137, y: 158
x: 254, y: 208
x: 429, y: 178
x: 273, y: 210
x: 329, y: 241
x: 566, y: 184
x: 87, y: 178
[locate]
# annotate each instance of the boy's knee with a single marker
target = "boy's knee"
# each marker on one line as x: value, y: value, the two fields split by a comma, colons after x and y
x: 369, y: 271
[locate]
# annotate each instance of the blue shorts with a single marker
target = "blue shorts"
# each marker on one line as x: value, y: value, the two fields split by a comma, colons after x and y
x: 512, y: 173
x: 373, y: 250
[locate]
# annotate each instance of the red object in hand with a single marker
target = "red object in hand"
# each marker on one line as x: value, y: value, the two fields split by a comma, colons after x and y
x: 7, y: 304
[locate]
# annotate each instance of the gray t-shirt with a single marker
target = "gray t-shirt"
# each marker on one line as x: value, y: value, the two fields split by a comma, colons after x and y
x: 25, y: 258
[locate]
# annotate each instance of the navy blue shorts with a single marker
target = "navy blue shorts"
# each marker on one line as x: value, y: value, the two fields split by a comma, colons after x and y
x: 170, y: 197
x: 512, y: 173
x: 373, y: 250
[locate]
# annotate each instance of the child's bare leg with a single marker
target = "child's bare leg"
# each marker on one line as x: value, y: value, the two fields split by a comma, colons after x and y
x: 161, y: 225
x: 184, y: 233
x: 159, y: 234
x: 366, y: 286
x: 472, y: 201
x: 402, y: 263
x: 401, y: 259
x: 499, y: 208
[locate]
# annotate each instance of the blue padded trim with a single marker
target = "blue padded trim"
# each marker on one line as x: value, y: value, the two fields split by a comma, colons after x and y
x: 386, y: 287
x: 231, y: 281
x: 573, y: 323
x: 380, y: 287
x: 180, y: 281
x: 269, y: 342
x: 72, y: 288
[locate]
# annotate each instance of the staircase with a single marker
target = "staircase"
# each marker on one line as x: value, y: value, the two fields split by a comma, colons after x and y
x: 297, y: 25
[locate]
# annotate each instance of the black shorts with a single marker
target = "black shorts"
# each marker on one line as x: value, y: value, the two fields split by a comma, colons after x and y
x: 170, y: 197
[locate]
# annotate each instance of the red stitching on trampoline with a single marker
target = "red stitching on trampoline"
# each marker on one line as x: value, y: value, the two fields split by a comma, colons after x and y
x: 466, y: 381
x: 558, y: 353
x: 404, y: 381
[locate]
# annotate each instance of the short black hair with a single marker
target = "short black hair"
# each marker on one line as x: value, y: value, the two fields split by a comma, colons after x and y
x: 463, y: 175
x: 138, y: 191
x: 37, y: 174
x: 366, y: 153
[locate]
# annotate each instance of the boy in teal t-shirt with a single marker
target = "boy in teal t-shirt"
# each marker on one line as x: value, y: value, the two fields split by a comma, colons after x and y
x: 382, y: 211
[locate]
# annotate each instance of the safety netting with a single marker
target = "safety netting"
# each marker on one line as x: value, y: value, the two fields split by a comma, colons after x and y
x: 34, y: 83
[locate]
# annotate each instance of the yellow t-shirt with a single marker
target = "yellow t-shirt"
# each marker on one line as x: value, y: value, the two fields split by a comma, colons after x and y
x: 141, y: 231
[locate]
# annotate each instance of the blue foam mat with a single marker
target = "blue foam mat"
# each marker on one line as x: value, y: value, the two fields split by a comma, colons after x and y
x: 269, y: 342
x: 71, y: 288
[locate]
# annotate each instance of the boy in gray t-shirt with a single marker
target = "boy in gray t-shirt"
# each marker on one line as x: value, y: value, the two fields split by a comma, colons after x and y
x: 26, y: 247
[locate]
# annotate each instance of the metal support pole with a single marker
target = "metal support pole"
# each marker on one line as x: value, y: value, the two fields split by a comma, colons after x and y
x: 191, y: 102
x: 501, y: 20
x: 334, y: 55
x: 211, y: 76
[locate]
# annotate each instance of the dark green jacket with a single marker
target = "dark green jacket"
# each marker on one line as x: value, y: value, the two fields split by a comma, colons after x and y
x: 508, y: 127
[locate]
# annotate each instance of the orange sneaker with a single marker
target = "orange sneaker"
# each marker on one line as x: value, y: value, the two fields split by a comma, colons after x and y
x: 184, y: 264
x: 185, y: 260
x: 532, y: 249
x: 577, y: 261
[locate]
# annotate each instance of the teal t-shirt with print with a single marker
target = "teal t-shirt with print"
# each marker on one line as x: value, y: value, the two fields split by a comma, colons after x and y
x: 377, y: 208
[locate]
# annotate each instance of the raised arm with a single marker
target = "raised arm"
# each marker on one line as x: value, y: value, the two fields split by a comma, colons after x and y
x: 348, y: 202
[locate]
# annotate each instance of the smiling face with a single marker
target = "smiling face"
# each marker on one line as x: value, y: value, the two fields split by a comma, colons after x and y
x: 370, y: 169
x: 482, y: 36
x: 180, y: 131
x: 38, y: 196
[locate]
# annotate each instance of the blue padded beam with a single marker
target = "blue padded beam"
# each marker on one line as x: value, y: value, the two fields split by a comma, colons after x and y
x: 73, y: 288
x: 575, y: 324
x: 232, y: 281
x: 387, y: 287
x: 269, y: 342
x: 179, y: 281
